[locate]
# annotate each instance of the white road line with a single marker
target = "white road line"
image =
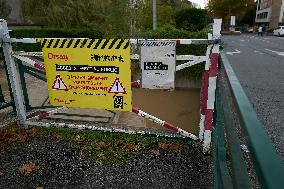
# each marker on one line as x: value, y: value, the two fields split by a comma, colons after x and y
x: 234, y: 52
x: 277, y: 52
x: 258, y: 52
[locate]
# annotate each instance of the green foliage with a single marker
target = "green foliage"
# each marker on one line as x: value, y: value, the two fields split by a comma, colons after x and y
x: 109, y: 147
x: 111, y: 16
x: 248, y: 15
x: 50, y: 33
x: 191, y: 19
x: 103, y: 147
x: 5, y: 9
x: 226, y: 8
x: 165, y: 15
x: 171, y: 32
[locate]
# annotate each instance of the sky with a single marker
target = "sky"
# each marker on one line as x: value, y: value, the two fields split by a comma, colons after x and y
x: 201, y: 3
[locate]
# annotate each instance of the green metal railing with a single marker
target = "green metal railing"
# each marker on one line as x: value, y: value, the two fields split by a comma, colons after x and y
x: 235, y: 115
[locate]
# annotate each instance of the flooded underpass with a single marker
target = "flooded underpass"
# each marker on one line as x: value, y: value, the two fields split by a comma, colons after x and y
x: 179, y: 107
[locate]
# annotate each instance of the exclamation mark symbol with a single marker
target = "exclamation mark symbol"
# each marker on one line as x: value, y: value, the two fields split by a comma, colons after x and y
x: 116, y: 85
x: 58, y: 80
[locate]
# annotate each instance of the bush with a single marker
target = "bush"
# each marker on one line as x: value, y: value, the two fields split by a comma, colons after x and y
x: 191, y: 19
x: 50, y: 33
x: 170, y: 32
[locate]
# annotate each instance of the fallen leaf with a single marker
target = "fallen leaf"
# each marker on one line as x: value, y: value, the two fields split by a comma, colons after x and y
x: 175, y: 147
x: 33, y: 131
x: 39, y: 187
x: 129, y: 148
x: 1, y: 173
x: 27, y: 168
x: 101, y: 144
x: 163, y: 145
x: 17, y: 134
x: 101, y: 155
x: 156, y: 152
x: 172, y: 147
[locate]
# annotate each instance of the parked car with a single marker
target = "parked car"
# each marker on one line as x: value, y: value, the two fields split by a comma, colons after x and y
x: 250, y: 29
x: 279, y: 31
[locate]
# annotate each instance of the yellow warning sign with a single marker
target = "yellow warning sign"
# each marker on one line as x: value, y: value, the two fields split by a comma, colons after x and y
x: 88, y: 73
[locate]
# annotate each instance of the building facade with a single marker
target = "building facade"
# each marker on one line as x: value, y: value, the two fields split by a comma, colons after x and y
x: 270, y: 13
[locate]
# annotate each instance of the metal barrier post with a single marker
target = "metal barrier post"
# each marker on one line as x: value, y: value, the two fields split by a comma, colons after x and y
x: 13, y: 73
x: 24, y: 86
x: 2, y: 100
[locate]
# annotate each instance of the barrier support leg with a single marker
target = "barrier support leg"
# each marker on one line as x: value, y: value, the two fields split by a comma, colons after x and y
x: 13, y: 73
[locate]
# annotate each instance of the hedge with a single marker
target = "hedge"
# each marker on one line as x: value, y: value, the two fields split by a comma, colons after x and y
x: 50, y: 33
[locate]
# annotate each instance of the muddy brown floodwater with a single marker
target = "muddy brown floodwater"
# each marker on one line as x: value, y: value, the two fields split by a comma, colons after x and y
x: 179, y: 107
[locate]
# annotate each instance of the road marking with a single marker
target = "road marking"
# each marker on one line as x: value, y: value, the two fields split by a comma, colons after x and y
x: 258, y: 52
x: 234, y: 52
x: 277, y: 52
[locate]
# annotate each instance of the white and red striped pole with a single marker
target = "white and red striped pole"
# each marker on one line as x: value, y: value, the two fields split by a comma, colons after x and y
x: 135, y: 84
x: 204, y: 90
x: 164, y: 123
x: 209, y: 89
x: 29, y: 62
x: 210, y: 101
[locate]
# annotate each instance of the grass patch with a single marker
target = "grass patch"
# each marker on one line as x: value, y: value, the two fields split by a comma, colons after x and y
x: 103, y: 147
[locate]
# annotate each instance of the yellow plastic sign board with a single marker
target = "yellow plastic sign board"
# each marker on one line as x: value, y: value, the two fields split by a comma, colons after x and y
x: 88, y: 73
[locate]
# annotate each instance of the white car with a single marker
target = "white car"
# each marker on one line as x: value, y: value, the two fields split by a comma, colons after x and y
x: 250, y: 30
x: 279, y: 31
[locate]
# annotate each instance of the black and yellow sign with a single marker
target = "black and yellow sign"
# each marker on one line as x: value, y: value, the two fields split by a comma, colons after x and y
x: 88, y: 73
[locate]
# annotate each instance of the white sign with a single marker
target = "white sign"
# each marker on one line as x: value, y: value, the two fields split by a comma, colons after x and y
x: 233, y: 20
x: 158, y: 64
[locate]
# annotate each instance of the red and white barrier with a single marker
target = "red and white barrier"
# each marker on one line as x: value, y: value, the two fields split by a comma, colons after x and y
x: 29, y: 62
x: 164, y: 123
x: 204, y: 90
x: 210, y: 101
x: 135, y: 84
x: 209, y: 88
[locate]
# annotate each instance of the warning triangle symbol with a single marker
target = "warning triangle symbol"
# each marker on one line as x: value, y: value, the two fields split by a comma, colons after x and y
x: 58, y: 84
x: 116, y: 87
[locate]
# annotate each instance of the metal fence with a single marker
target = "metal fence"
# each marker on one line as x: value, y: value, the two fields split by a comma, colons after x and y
x: 235, y: 127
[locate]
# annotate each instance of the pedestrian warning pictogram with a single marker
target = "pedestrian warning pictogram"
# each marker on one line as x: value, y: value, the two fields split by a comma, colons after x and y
x: 58, y: 84
x: 117, y: 87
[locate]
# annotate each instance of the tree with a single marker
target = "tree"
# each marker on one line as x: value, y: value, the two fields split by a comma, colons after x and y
x: 111, y: 16
x: 5, y: 9
x: 248, y: 15
x: 191, y: 19
x: 226, y: 8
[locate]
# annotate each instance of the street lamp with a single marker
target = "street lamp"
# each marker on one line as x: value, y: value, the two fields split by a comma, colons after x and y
x: 154, y: 15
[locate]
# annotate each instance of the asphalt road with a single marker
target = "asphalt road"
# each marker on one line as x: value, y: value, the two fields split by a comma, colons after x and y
x: 259, y: 66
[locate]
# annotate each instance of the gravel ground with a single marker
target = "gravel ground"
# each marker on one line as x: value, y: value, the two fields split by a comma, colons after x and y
x: 60, y: 165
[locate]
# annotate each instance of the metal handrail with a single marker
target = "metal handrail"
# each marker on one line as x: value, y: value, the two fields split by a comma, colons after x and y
x: 267, y: 164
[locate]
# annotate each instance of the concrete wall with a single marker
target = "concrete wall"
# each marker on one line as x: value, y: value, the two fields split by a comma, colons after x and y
x: 281, y: 18
x: 275, y: 13
x: 276, y: 6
